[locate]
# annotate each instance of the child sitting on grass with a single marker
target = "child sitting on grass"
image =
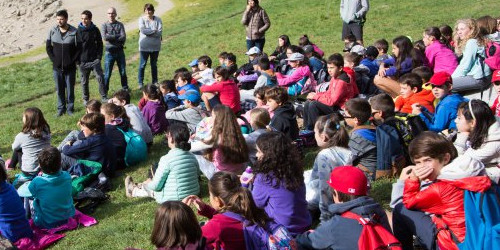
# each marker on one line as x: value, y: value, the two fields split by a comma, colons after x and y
x: 284, y: 119
x: 411, y: 92
x: 259, y: 119
x: 446, y: 110
x: 443, y: 198
x: 154, y: 110
x: 116, y: 122
x: 363, y: 142
x: 205, y: 75
x: 177, y: 174
x: 228, y: 201
x: 333, y: 140
x: 169, y: 92
x: 139, y: 125
x: 93, y: 105
x: 51, y: 191
x: 224, y: 91
x: 350, y: 195
x: 189, y: 113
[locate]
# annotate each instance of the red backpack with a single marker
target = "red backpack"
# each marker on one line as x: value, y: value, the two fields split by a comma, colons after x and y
x: 493, y: 55
x: 373, y: 235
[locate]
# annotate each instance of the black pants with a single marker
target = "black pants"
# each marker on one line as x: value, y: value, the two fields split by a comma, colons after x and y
x: 313, y: 110
x: 16, y: 158
x: 407, y: 223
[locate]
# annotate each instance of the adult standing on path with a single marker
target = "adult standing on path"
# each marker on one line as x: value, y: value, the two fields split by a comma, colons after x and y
x: 113, y: 33
x: 91, y: 56
x: 150, y: 31
x: 353, y: 14
x: 63, y: 47
x: 256, y: 23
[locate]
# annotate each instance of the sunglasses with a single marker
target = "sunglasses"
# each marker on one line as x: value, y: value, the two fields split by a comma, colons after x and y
x: 496, y: 83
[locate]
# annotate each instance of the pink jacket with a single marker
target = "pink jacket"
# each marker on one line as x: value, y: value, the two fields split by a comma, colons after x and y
x: 297, y: 75
x: 441, y: 58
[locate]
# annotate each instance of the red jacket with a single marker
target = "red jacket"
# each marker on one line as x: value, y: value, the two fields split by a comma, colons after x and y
x: 423, y: 98
x: 340, y: 90
x: 229, y: 94
x: 222, y: 232
x: 352, y: 75
x: 495, y: 107
x: 444, y: 199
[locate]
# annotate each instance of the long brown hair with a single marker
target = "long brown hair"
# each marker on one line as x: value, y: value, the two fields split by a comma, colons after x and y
x: 175, y: 226
x: 474, y: 34
x: 35, y: 124
x: 236, y: 199
x: 330, y: 125
x: 227, y: 136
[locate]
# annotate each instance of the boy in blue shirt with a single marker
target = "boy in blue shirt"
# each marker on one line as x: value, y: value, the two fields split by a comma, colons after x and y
x: 446, y: 110
x: 51, y: 192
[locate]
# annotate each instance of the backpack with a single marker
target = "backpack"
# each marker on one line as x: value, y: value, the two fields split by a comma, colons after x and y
x: 493, y: 55
x: 136, y: 150
x: 482, y: 219
x: 373, y: 235
x: 273, y: 237
x: 409, y: 127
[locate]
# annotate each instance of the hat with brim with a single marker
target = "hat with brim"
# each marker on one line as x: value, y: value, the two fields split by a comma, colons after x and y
x: 295, y: 57
x: 253, y: 51
x: 191, y: 95
x: 193, y: 63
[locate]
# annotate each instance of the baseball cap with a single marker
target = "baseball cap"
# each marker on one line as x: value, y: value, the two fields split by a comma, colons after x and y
x: 358, y: 49
x: 295, y: 57
x: 253, y: 51
x: 440, y: 78
x: 193, y: 63
x: 496, y: 76
x: 349, y: 180
x: 191, y: 95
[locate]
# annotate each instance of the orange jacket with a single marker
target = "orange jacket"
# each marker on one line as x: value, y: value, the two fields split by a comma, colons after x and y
x: 424, y: 98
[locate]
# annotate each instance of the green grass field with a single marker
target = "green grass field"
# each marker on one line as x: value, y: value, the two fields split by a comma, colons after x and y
x: 191, y: 29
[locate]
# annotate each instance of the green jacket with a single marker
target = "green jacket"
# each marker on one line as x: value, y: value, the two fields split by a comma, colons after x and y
x: 176, y: 176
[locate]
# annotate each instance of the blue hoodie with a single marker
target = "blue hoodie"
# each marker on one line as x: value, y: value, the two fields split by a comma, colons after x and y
x: 446, y: 112
x: 339, y: 232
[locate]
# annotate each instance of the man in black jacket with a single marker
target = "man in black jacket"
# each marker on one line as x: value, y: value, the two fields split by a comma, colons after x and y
x: 90, y: 58
x: 63, y: 48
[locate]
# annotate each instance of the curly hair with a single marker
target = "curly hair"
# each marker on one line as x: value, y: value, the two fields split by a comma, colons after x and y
x: 474, y: 34
x: 226, y: 136
x: 281, y: 161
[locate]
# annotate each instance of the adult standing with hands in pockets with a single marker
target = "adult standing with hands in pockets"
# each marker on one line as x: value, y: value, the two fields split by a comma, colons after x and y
x: 150, y: 36
x: 256, y: 23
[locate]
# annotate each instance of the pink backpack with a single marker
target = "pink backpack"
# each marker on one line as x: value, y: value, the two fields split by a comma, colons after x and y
x: 493, y: 55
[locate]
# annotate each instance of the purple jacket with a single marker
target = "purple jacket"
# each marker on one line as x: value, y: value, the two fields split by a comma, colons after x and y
x: 406, y: 66
x: 285, y: 207
x: 441, y: 58
x: 154, y: 114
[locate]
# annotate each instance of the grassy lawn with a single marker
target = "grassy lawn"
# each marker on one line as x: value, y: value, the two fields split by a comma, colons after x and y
x: 191, y: 29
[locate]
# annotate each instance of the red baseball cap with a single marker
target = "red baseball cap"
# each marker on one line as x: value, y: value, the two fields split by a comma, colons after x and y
x: 440, y: 78
x: 349, y: 180
x: 496, y: 76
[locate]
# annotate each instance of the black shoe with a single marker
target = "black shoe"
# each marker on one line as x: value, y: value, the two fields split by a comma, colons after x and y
x: 59, y: 113
x: 69, y: 112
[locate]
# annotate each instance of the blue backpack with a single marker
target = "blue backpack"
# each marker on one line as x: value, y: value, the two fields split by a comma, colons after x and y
x: 482, y: 219
x: 136, y: 150
x: 273, y: 237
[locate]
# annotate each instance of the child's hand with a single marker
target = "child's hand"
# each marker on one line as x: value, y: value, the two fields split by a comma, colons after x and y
x: 416, y: 109
x: 194, y: 200
x: 248, y: 7
x: 423, y: 172
x: 406, y: 172
x: 311, y: 96
x: 381, y: 71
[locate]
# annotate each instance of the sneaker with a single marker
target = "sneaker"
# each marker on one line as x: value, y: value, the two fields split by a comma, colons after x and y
x: 59, y: 113
x: 129, y: 186
x: 69, y: 112
x: 104, y: 99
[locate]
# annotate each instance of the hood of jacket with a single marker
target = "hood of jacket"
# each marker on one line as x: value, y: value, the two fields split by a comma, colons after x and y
x: 364, y: 205
x: 494, y: 131
x: 495, y: 37
x: 474, y: 184
x: 362, y: 69
x: 286, y: 111
x: 461, y: 167
x: 85, y: 28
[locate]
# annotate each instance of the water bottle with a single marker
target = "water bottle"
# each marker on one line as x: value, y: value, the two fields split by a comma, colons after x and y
x: 246, y: 176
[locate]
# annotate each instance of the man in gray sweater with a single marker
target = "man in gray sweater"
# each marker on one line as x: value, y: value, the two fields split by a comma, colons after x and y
x: 113, y: 33
x: 353, y: 14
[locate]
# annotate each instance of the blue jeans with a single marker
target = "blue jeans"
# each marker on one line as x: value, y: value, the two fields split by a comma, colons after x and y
x: 65, y: 87
x: 109, y: 60
x: 142, y: 66
x: 407, y: 223
x: 259, y: 43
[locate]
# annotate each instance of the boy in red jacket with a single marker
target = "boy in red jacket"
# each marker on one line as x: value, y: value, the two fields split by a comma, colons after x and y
x: 411, y: 92
x: 443, y: 199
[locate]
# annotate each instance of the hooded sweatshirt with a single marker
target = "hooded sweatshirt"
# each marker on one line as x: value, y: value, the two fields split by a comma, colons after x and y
x: 444, y: 199
x: 285, y: 121
x: 297, y: 75
x: 353, y: 10
x: 441, y: 58
x: 343, y: 233
x: 91, y: 43
x: 339, y: 91
x: 446, y: 112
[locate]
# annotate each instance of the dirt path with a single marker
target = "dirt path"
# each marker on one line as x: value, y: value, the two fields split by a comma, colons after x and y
x: 27, y: 29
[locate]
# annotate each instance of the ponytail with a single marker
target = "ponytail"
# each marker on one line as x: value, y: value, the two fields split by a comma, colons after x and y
x: 336, y: 133
x: 236, y: 199
x: 179, y: 132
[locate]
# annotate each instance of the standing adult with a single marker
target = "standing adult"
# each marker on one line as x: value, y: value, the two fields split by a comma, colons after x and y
x: 63, y: 47
x: 256, y: 23
x: 353, y: 14
x: 113, y: 33
x: 91, y: 56
x: 150, y: 31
